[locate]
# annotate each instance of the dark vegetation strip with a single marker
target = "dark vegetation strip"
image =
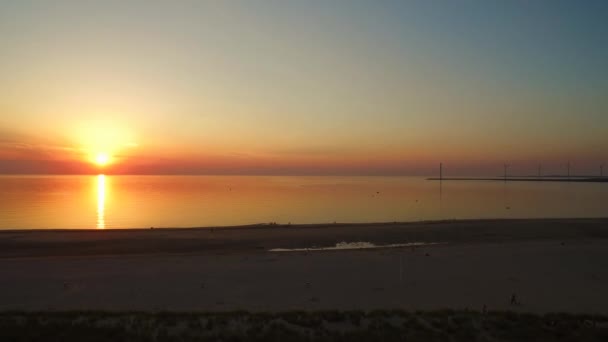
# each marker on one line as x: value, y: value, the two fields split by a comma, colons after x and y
x: 385, y: 325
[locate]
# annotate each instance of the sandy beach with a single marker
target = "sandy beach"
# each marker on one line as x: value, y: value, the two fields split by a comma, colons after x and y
x: 550, y: 265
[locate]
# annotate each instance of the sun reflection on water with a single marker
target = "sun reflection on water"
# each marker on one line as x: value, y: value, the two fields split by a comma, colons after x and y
x: 101, y: 201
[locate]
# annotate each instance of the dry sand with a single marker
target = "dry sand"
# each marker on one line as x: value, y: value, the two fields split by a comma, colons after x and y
x: 551, y: 265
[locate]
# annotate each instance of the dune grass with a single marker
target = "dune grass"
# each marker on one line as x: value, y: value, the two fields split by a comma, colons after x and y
x: 385, y: 325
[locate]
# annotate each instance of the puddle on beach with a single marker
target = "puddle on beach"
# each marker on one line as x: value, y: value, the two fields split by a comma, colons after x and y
x: 353, y: 245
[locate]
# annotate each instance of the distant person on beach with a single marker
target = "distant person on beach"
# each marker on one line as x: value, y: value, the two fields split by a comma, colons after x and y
x: 513, y: 299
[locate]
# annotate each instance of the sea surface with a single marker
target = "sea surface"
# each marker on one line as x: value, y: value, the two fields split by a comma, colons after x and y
x: 100, y: 202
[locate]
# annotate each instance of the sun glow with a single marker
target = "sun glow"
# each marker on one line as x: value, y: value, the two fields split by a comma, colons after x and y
x: 104, y: 142
x: 102, y: 159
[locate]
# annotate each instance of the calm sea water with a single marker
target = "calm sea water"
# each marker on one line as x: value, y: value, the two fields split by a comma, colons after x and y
x: 187, y: 201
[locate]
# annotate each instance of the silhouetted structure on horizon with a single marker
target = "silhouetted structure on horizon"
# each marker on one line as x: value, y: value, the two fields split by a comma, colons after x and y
x: 539, y: 177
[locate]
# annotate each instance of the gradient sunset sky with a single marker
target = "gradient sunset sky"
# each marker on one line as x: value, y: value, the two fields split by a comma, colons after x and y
x: 303, y: 87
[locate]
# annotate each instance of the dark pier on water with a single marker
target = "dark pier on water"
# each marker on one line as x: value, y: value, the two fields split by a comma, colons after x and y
x: 527, y: 179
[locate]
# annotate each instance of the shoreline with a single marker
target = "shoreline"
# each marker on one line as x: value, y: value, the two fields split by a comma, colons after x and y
x: 264, y: 225
x: 264, y: 237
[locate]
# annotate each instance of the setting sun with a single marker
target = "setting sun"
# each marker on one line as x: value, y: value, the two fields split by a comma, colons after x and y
x: 386, y: 170
x: 102, y: 159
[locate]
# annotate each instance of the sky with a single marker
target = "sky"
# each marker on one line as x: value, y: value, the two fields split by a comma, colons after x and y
x: 303, y: 87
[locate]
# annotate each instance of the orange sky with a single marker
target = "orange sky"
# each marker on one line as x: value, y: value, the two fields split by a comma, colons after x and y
x: 301, y: 88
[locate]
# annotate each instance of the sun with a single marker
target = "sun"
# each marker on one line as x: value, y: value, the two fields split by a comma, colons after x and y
x: 102, y: 159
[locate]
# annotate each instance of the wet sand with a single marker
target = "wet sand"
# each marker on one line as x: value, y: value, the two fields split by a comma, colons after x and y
x: 551, y: 265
